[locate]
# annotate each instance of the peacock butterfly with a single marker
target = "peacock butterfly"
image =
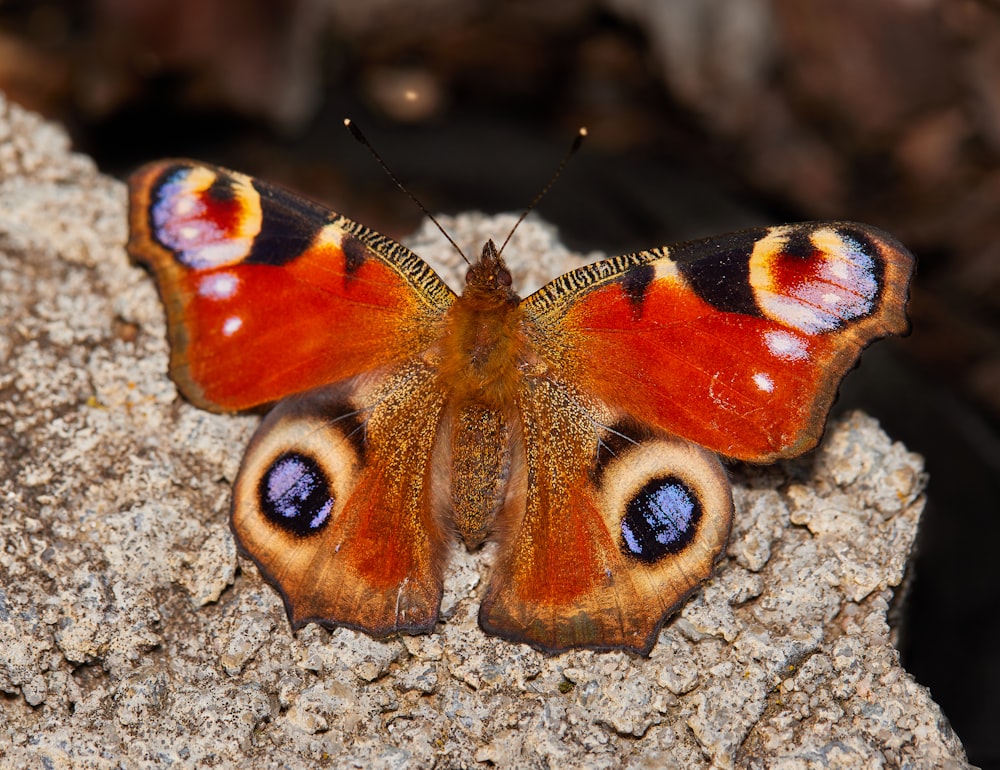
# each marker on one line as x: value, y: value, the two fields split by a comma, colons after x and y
x: 579, y: 427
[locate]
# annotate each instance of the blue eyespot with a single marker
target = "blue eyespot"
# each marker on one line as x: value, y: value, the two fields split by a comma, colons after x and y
x: 660, y: 520
x: 294, y: 494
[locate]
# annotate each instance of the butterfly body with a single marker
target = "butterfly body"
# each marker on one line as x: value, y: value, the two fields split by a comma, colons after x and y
x: 576, y: 427
x: 484, y: 345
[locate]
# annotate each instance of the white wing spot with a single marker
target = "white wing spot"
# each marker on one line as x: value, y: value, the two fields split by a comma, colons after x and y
x: 764, y: 382
x: 232, y: 325
x: 219, y: 253
x: 786, y: 346
x: 184, y: 206
x: 797, y: 312
x: 331, y: 235
x: 840, y: 268
x: 665, y: 268
x: 218, y: 286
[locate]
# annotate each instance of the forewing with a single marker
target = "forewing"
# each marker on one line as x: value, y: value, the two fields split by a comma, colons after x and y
x: 737, y: 343
x: 269, y: 294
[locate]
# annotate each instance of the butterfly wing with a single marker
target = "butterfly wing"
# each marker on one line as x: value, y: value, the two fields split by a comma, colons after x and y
x: 737, y: 343
x: 268, y: 294
x: 610, y: 528
x: 333, y: 503
x: 734, y: 344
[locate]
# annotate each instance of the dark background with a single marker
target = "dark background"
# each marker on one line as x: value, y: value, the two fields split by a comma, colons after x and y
x: 704, y: 117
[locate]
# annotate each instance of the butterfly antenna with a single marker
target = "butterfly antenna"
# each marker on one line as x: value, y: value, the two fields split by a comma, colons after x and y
x: 360, y: 137
x: 577, y: 141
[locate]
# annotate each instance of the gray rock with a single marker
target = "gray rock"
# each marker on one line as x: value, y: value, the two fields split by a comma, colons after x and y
x: 130, y: 638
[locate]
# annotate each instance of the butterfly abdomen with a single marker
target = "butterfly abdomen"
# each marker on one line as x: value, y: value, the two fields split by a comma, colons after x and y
x: 481, y: 360
x: 480, y: 441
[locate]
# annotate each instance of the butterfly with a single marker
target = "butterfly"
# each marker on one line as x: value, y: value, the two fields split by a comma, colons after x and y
x: 580, y: 427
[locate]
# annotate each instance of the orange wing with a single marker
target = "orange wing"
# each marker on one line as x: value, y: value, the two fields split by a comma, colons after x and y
x: 332, y: 503
x: 611, y: 527
x: 737, y: 343
x: 268, y: 294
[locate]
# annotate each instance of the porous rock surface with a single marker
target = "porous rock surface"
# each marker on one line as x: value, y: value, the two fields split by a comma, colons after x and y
x: 131, y: 635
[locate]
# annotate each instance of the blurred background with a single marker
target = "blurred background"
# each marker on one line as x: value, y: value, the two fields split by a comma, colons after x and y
x: 704, y: 116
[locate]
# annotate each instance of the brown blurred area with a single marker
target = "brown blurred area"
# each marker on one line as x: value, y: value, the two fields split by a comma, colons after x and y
x: 704, y: 116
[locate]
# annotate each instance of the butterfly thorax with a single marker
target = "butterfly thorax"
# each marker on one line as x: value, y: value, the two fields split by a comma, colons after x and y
x: 485, y: 341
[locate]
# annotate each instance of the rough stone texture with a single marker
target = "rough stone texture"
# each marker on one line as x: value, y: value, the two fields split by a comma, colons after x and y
x: 130, y: 635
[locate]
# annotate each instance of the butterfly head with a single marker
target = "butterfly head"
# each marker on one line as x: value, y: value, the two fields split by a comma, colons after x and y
x: 489, y: 277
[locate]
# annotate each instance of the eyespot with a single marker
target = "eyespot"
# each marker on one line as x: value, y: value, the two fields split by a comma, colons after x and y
x: 815, y: 280
x: 294, y: 493
x: 668, y: 504
x: 206, y: 218
x: 660, y: 519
